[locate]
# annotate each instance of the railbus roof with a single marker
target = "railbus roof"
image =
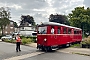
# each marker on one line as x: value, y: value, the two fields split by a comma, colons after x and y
x: 53, y: 23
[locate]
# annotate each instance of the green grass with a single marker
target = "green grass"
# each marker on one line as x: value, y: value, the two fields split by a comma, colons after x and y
x: 80, y: 53
x: 76, y: 45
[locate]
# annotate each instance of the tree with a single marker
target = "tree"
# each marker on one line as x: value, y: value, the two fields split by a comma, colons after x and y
x: 28, y: 19
x: 80, y: 17
x: 15, y: 24
x: 4, y: 17
x: 59, y: 19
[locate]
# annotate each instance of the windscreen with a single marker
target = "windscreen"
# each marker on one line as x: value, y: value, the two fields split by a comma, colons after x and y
x: 42, y: 30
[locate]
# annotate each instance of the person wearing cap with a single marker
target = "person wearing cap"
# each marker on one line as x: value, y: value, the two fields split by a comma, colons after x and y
x: 18, y: 41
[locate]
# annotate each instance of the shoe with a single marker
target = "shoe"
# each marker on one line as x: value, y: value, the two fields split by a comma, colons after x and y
x: 16, y: 50
x: 19, y: 50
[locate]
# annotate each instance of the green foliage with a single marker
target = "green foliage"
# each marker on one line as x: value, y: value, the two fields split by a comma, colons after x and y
x: 86, y: 40
x: 4, y: 17
x: 26, y: 41
x: 59, y: 19
x: 80, y: 17
x: 28, y: 19
x: 10, y: 41
x: 33, y: 38
x: 76, y: 45
x: 22, y: 37
x: 15, y: 24
x: 6, y: 40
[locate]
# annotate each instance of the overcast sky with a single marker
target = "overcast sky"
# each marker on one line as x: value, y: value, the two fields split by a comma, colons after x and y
x: 41, y: 9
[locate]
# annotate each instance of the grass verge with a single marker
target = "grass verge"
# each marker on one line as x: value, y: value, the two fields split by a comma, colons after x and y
x: 81, y: 53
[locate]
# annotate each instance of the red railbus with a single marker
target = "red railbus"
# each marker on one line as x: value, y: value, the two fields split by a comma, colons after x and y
x: 53, y: 35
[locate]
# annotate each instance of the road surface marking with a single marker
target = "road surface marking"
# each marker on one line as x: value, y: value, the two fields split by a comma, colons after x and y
x: 24, y: 56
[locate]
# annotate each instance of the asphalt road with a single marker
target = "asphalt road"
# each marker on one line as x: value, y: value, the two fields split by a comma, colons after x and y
x: 7, y: 50
x: 58, y: 56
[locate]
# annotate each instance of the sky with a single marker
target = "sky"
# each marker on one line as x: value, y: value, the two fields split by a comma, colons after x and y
x: 41, y: 9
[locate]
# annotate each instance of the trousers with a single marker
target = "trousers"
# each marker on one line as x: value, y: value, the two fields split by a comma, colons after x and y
x: 18, y: 46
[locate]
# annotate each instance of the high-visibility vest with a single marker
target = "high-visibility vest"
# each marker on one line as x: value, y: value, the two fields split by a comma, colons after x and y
x: 18, y: 39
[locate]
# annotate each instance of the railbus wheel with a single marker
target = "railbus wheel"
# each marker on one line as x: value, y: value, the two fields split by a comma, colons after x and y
x: 50, y: 48
x: 46, y: 49
x: 43, y: 49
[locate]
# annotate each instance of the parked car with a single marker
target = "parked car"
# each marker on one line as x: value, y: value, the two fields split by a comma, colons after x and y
x: 15, y: 33
x: 6, y: 37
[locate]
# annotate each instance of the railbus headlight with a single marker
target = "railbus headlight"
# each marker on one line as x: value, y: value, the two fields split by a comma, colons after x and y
x: 45, y: 39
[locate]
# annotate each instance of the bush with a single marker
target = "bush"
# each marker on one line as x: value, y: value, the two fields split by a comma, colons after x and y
x: 86, y: 40
x: 10, y: 41
x: 76, y: 45
x: 22, y: 37
x: 26, y: 41
x: 33, y: 38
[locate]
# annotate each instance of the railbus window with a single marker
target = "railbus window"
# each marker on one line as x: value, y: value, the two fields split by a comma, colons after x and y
x: 65, y: 30
x: 79, y: 32
x: 69, y: 31
x: 42, y: 30
x: 58, y: 30
x: 75, y: 31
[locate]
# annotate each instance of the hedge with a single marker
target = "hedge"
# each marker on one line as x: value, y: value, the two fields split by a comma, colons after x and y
x: 25, y: 40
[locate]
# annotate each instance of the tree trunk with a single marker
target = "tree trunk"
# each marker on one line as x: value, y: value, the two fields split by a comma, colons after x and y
x: 2, y: 32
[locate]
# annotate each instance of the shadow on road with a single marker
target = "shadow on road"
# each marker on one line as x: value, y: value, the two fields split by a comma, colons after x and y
x: 51, y: 51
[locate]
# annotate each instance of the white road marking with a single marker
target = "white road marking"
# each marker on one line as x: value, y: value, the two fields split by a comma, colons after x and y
x: 24, y: 56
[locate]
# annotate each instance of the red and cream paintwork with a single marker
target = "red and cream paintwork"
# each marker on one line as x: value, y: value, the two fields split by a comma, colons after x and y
x: 50, y: 40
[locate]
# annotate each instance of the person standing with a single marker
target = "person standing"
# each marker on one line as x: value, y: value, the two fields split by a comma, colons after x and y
x: 52, y: 30
x: 18, y: 42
